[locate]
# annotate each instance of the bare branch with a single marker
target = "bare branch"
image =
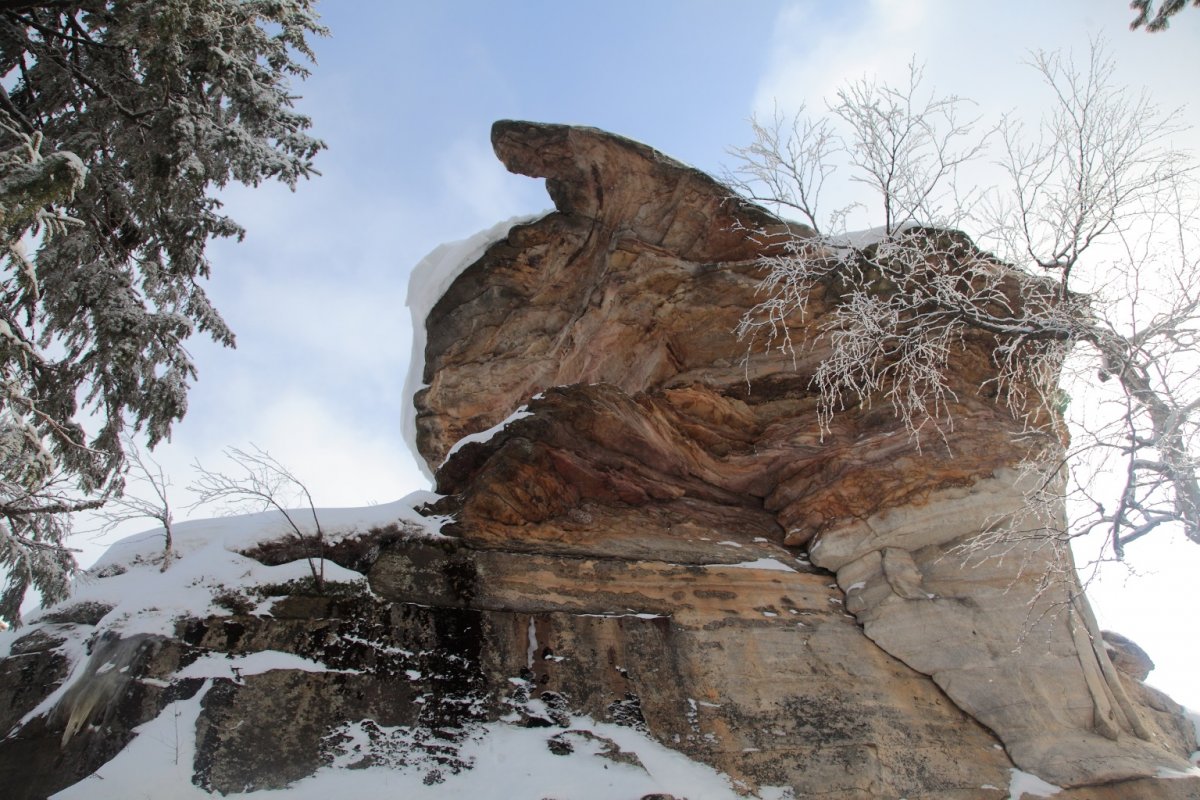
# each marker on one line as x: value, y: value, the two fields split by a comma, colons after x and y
x: 263, y: 484
x: 787, y: 164
x: 143, y: 473
x: 1096, y: 287
x: 907, y: 149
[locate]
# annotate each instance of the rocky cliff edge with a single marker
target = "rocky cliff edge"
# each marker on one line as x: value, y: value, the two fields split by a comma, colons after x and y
x: 643, y: 548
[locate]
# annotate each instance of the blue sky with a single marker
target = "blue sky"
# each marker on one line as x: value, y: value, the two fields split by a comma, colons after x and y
x: 405, y: 93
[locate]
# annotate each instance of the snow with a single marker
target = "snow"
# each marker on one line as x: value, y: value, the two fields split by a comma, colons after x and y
x: 507, y: 763
x: 759, y: 563
x: 1025, y: 783
x: 196, y: 538
x: 74, y: 649
x: 531, y: 650
x: 430, y: 279
x: 208, y: 560
x: 486, y: 436
x: 216, y: 665
x: 207, y: 563
x: 157, y: 763
x: 857, y: 240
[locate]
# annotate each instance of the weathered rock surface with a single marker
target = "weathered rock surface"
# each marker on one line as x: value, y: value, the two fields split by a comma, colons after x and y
x: 667, y: 541
x: 636, y: 297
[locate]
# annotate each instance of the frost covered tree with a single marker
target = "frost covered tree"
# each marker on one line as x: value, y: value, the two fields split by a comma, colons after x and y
x: 119, y: 120
x: 1160, y: 20
x: 150, y: 500
x: 1092, y: 296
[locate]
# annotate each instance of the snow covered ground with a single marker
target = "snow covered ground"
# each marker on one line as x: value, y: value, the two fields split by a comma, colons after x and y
x: 587, y: 760
x: 507, y: 763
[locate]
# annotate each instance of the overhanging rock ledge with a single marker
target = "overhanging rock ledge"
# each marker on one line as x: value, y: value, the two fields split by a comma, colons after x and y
x: 663, y: 540
x: 617, y: 310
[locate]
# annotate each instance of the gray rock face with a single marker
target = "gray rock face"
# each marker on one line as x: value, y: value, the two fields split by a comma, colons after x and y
x: 666, y: 543
x: 754, y: 669
x: 1126, y: 656
x: 1004, y: 631
x: 93, y: 720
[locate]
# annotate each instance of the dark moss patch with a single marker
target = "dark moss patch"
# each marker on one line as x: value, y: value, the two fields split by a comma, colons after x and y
x: 308, y: 586
x: 233, y: 601
x: 357, y: 553
x: 89, y: 613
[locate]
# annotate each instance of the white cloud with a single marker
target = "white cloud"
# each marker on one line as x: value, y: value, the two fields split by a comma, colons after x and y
x: 327, y: 316
x: 474, y: 180
x: 356, y: 464
x: 972, y: 49
x: 345, y: 460
x: 811, y: 57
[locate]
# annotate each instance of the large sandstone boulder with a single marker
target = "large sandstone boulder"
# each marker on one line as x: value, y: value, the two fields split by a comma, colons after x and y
x: 629, y: 294
x: 662, y: 542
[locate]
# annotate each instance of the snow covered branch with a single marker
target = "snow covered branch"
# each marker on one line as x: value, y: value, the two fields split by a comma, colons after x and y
x: 261, y: 483
x: 118, y: 124
x: 1090, y: 305
x: 143, y: 473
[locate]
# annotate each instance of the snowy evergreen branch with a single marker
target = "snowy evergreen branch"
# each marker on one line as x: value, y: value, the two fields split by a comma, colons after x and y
x: 118, y: 124
x: 1161, y: 19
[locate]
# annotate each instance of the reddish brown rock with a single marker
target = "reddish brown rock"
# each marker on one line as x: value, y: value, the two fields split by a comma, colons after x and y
x: 667, y: 541
x: 617, y: 313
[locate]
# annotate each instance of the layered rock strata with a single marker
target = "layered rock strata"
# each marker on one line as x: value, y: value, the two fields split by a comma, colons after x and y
x: 665, y: 540
x: 629, y: 293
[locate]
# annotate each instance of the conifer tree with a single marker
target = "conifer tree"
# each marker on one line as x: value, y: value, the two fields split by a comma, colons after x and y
x: 1156, y: 21
x: 119, y: 121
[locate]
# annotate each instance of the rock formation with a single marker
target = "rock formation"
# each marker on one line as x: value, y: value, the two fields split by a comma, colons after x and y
x: 663, y: 539
x: 633, y: 288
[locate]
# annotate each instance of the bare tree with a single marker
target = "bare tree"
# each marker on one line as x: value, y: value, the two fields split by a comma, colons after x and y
x: 261, y: 483
x: 144, y: 496
x: 787, y: 163
x: 1094, y: 288
x: 907, y: 148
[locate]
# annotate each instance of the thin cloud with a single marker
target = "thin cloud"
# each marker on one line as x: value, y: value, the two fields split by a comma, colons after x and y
x: 476, y: 182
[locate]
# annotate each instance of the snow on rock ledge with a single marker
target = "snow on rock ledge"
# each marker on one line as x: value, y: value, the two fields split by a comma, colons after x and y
x: 428, y: 282
x: 665, y: 553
